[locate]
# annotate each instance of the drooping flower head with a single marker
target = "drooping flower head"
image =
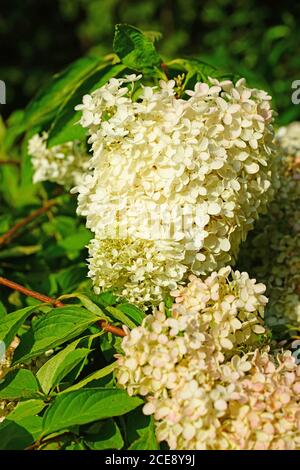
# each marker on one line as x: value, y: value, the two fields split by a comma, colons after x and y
x: 204, y: 380
x: 210, y: 320
x: 182, y: 180
x: 256, y: 407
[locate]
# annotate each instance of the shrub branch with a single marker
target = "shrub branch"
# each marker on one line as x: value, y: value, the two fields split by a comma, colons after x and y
x: 9, y: 162
x: 30, y: 293
x: 11, y: 233
x: 103, y: 324
x: 115, y: 330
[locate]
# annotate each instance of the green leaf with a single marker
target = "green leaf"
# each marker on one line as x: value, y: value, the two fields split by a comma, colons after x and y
x: 19, y: 384
x: 25, y: 409
x: 88, y: 304
x: 99, y: 374
x: 10, y: 181
x: 75, y: 446
x: 19, y: 251
x: 27, y: 170
x: 56, y: 327
x: 110, y: 345
x: 3, y: 311
x: 133, y: 312
x: 12, y: 322
x: 45, y: 105
x: 108, y: 437
x: 5, y: 222
x: 276, y: 32
x: 147, y: 439
x: 119, y: 315
x: 68, y: 279
x: 54, y: 370
x: 134, y: 48
x: 17, y: 435
x: 2, y: 351
x: 10, y: 135
x: 66, y: 126
x: 85, y: 406
x: 2, y: 130
x: 62, y: 225
x: 141, y: 431
x: 104, y: 299
x: 153, y: 35
x: 196, y: 70
x: 76, y: 241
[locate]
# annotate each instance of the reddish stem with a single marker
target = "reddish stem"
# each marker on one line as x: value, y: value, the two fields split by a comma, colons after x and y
x: 115, y: 330
x: 30, y: 293
x: 10, y: 162
x: 165, y: 70
x: 111, y: 328
x: 6, y: 237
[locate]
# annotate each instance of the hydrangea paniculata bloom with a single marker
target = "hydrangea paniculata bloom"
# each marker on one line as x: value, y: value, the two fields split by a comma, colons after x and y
x: 203, y: 379
x: 158, y: 160
x: 210, y: 320
x: 64, y: 164
x: 264, y: 411
x: 256, y: 407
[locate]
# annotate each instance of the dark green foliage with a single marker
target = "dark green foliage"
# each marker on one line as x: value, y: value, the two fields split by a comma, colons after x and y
x: 259, y: 40
x: 62, y: 376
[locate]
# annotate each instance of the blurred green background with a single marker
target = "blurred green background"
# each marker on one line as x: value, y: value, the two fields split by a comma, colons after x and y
x: 254, y: 38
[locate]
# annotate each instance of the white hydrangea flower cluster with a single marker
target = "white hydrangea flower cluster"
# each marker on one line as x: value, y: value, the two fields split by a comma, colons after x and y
x: 228, y: 303
x: 158, y: 160
x: 144, y: 269
x: 272, y: 253
x: 203, y: 389
x: 63, y: 164
x: 253, y: 405
x: 264, y: 411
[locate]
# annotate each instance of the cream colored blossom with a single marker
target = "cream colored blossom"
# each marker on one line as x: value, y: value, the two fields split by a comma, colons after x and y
x: 203, y: 391
x: 210, y: 320
x: 63, y: 164
x: 228, y: 303
x: 264, y: 411
x: 258, y: 409
x: 144, y: 268
x: 158, y: 160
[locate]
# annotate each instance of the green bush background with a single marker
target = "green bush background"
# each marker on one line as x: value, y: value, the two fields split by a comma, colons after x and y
x: 39, y: 38
x: 257, y: 39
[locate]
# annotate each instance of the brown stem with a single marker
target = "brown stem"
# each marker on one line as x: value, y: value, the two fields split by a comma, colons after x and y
x: 165, y: 69
x: 34, y: 446
x: 46, y: 441
x: 10, y: 162
x: 30, y: 293
x: 4, y: 239
x: 115, y: 330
